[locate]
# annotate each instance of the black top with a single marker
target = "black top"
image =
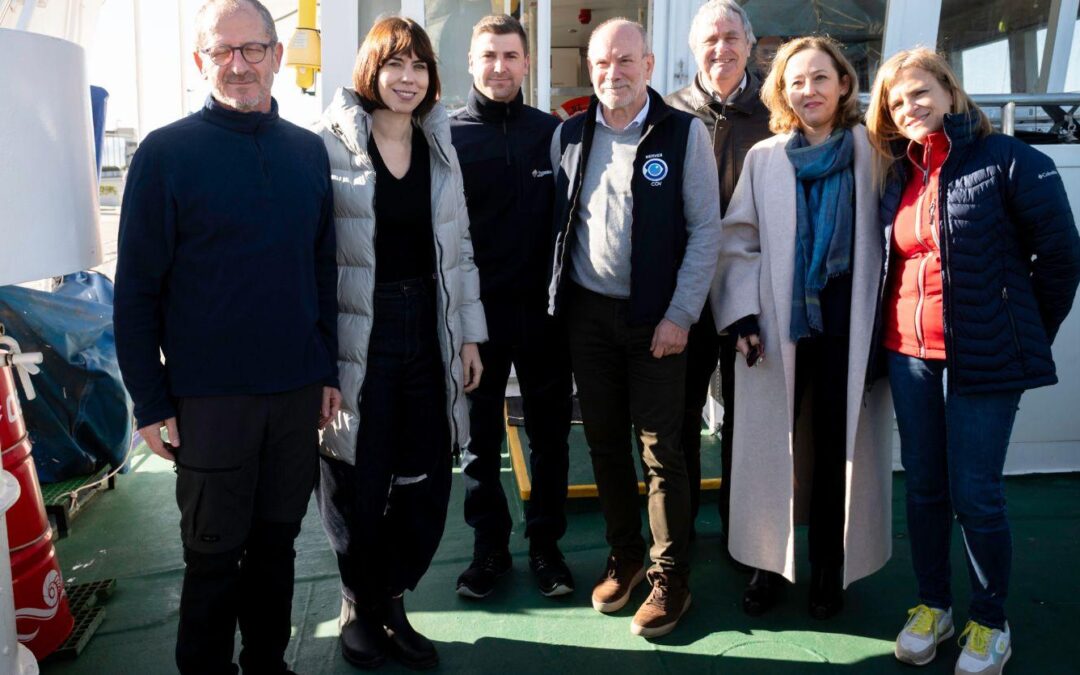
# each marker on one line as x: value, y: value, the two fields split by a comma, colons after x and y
x: 505, y: 154
x: 404, y: 239
x: 226, y: 261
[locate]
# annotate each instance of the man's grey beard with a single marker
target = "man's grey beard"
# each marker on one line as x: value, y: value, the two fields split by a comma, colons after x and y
x: 242, y: 104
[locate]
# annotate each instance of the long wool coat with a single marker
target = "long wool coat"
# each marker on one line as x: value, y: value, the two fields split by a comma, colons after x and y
x: 771, y: 466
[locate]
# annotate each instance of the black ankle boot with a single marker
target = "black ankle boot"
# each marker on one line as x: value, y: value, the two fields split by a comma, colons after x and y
x: 409, y: 647
x: 363, y: 640
x: 826, y: 591
x: 760, y: 594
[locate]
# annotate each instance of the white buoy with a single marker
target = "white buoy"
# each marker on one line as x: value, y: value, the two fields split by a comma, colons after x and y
x: 14, y: 658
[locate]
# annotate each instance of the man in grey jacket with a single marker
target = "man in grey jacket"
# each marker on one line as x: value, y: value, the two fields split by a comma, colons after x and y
x: 637, y: 238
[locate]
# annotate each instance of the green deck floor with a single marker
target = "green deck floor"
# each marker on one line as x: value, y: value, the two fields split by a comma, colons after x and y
x: 131, y: 534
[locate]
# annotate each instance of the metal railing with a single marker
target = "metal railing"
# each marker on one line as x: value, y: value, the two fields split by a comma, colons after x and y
x: 1064, y: 118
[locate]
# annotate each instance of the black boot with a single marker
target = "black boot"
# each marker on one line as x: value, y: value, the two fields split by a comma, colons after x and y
x: 760, y: 594
x: 409, y: 647
x: 363, y: 640
x: 826, y: 591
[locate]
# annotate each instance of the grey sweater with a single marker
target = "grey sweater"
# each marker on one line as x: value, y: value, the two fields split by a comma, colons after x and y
x: 600, y: 258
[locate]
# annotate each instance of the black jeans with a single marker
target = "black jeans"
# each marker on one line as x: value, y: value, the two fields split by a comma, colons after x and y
x: 384, y: 515
x: 621, y: 386
x: 536, y: 345
x: 245, y: 470
x: 821, y: 368
x: 704, y: 350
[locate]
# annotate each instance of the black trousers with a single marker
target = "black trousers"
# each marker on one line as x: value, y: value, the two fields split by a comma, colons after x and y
x: 821, y: 369
x: 622, y: 387
x: 535, y: 344
x: 704, y: 350
x: 384, y: 515
x: 245, y: 468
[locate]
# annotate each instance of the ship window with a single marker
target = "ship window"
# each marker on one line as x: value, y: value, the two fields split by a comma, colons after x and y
x: 857, y: 24
x: 995, y: 47
x: 449, y: 23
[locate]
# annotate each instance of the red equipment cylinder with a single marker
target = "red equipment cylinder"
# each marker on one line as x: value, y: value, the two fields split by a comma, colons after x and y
x: 42, y: 617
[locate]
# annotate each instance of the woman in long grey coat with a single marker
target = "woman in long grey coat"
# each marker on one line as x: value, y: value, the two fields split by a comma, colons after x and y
x: 798, y: 283
x: 408, y: 324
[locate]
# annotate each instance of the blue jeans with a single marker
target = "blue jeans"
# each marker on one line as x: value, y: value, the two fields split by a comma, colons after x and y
x: 953, y: 450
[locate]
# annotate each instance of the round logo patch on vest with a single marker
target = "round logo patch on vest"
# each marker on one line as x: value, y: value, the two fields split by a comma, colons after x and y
x: 655, y: 170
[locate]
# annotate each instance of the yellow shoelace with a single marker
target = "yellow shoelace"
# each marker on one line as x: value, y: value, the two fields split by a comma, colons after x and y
x: 920, y: 620
x: 978, y: 638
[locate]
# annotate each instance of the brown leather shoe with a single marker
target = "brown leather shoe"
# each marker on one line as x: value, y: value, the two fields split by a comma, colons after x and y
x: 660, y: 613
x: 613, y: 590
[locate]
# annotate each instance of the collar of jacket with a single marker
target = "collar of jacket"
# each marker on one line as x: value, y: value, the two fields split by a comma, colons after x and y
x: 346, y: 118
x: 658, y: 110
x: 962, y: 128
x: 700, y: 97
x: 488, y: 110
x: 234, y: 120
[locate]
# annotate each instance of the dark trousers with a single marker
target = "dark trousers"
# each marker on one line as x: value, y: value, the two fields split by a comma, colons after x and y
x: 953, y: 450
x: 384, y: 515
x: 622, y: 386
x: 704, y: 349
x: 821, y: 371
x: 536, y: 346
x: 245, y: 469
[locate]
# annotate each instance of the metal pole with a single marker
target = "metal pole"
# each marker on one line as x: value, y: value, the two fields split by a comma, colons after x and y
x: 1008, y: 118
x: 543, y: 55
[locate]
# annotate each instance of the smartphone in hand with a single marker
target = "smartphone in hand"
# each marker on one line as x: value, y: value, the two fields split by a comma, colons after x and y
x: 753, y: 355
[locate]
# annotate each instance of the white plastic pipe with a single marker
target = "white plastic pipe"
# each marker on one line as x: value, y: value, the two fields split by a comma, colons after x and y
x: 26, y: 14
x: 14, y: 658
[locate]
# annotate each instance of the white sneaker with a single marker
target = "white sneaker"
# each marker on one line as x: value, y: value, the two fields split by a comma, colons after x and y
x: 925, y: 629
x: 985, y: 650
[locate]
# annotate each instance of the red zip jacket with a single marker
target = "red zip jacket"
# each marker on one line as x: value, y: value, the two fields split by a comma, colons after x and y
x: 914, y: 316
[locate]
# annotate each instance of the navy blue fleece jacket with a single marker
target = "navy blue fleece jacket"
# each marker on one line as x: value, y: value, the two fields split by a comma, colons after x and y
x: 226, y: 261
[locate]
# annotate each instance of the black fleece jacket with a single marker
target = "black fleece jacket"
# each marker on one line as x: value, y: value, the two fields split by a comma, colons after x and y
x: 504, y: 150
x: 226, y: 261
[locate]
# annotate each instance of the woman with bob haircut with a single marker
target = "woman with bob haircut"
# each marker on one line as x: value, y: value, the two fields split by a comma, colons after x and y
x: 409, y: 322
x: 982, y: 268
x: 798, y: 283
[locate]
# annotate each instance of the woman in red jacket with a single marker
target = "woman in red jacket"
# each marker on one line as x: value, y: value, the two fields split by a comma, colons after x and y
x: 967, y: 319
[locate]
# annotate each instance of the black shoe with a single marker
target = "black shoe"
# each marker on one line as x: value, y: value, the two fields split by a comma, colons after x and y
x: 760, y: 594
x: 409, y: 647
x: 826, y: 592
x: 363, y: 640
x: 479, y: 579
x: 552, y: 575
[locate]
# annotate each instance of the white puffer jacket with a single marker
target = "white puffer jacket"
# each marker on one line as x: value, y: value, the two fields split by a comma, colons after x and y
x: 345, y: 128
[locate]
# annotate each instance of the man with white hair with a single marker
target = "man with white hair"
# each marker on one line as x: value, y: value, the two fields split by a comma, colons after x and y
x: 227, y: 266
x: 725, y: 96
x: 637, y: 237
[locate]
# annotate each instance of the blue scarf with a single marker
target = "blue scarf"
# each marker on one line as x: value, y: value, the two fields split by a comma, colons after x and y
x: 824, y: 220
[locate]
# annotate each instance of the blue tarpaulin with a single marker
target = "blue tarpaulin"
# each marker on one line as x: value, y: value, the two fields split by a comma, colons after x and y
x: 81, y: 418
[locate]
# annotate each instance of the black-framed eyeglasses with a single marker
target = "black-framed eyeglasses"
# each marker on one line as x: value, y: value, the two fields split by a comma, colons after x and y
x: 254, y: 52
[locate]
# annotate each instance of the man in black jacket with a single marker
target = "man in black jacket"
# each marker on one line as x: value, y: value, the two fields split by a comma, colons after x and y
x: 509, y: 190
x: 226, y: 266
x: 725, y: 96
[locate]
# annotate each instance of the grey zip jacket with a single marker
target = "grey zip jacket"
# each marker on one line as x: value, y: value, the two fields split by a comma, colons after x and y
x: 345, y: 128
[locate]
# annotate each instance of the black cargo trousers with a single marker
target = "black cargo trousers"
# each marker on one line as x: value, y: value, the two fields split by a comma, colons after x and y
x: 246, y: 468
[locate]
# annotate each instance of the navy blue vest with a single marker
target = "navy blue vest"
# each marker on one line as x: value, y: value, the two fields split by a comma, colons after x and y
x: 658, y: 231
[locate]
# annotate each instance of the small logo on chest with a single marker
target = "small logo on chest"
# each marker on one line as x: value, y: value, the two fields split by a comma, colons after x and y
x: 655, y: 170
